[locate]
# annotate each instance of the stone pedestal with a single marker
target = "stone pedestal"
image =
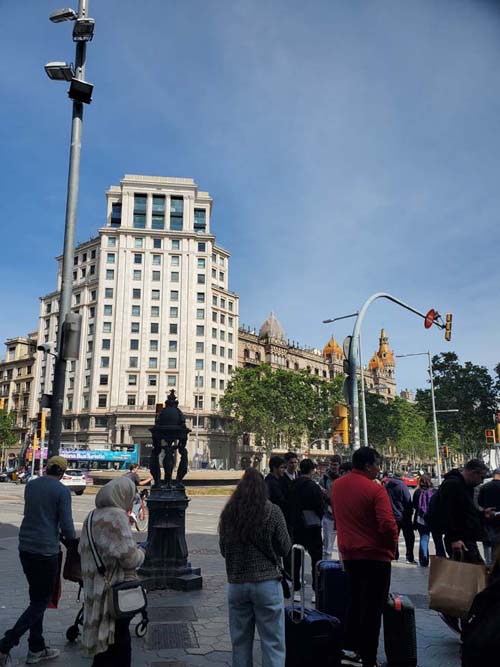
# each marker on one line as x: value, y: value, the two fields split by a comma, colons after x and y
x: 166, y: 563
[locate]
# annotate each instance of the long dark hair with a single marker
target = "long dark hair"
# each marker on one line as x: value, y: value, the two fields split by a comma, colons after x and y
x: 243, y: 515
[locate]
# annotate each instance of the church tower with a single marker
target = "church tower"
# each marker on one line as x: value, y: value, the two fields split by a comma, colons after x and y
x: 382, y: 369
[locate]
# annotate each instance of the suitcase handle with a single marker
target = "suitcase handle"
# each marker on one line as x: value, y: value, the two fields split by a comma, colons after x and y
x: 302, y: 551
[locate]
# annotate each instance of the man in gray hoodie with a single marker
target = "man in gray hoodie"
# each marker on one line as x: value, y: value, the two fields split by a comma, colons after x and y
x: 47, y: 513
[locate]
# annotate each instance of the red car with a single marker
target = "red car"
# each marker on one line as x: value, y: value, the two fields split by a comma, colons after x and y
x: 410, y: 480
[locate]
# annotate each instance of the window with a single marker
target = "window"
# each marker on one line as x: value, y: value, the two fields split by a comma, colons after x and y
x: 157, y: 243
x: 106, y: 343
x: 75, y: 275
x: 92, y: 254
x: 132, y: 380
x: 222, y: 302
x: 104, y: 362
x: 214, y: 316
x: 221, y: 276
x: 133, y: 362
x: 174, y: 295
x: 102, y: 400
x: 110, y: 258
x: 229, y: 367
x: 176, y: 244
x: 200, y: 279
x: 175, y: 260
x: 84, y: 273
x: 151, y: 380
x: 92, y: 269
x: 84, y: 257
x: 221, y: 385
x: 151, y: 400
x: 103, y: 379
x: 222, y: 351
x: 200, y: 297
x: 138, y: 242
x: 198, y: 402
x: 108, y: 309
x: 106, y: 327
x: 111, y: 241
x: 199, y: 364
x: 222, y: 335
x: 140, y: 203
x: 214, y: 367
x: 202, y: 247
x: 137, y: 274
x: 156, y: 260
x: 171, y: 380
x: 198, y: 381
x: 222, y: 318
x: 200, y: 313
x: 172, y: 362
x: 153, y: 362
x: 137, y: 258
x: 214, y: 333
x: 174, y: 311
x: 156, y: 276
x: 214, y: 274
x: 214, y: 301
x: 214, y: 258
x: 77, y: 299
x: 221, y: 261
x: 153, y: 345
x: 200, y: 220
x: 108, y: 292
x: 176, y: 213
x: 229, y: 337
x: 158, y: 219
x: 135, y: 327
x: 213, y: 383
x: 155, y: 311
x: 110, y: 274
x: 213, y: 403
x: 85, y: 402
x: 230, y: 321
x: 91, y: 329
x: 155, y: 295
x: 200, y: 330
x: 75, y: 260
x: 172, y: 346
x: 101, y: 422
x: 230, y: 305
x: 221, y: 368
x: 136, y: 311
x: 136, y: 293
x: 200, y: 347
x: 172, y: 328
x: 201, y: 262
x: 116, y: 214
x: 174, y: 276
x: 154, y: 327
x: 131, y: 399
x: 134, y: 343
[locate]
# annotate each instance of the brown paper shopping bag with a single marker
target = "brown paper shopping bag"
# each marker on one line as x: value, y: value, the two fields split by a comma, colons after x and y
x: 453, y: 585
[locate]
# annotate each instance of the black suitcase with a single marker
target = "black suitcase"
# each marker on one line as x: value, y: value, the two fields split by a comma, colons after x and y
x: 311, y: 637
x: 400, y: 635
x: 332, y: 589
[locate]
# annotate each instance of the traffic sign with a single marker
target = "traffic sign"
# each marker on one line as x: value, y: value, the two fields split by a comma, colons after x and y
x: 429, y: 318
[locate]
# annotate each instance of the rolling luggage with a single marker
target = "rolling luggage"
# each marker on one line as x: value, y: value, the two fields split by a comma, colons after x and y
x: 332, y: 589
x: 311, y: 637
x: 400, y: 636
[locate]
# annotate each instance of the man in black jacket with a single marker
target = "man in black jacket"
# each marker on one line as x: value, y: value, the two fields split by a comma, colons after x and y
x: 402, y: 509
x: 461, y: 520
x: 489, y: 496
x: 276, y: 487
x: 307, y: 508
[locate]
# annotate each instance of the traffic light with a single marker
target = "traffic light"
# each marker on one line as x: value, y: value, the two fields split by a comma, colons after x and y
x: 489, y: 436
x: 1, y: 403
x: 446, y: 451
x: 447, y: 327
x: 340, y: 425
x: 40, y: 425
x: 497, y: 429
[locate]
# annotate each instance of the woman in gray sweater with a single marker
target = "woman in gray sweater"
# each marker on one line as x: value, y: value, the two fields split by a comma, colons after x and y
x: 253, y: 538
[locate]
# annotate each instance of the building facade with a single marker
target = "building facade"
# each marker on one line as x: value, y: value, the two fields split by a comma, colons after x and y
x: 17, y: 383
x: 157, y: 314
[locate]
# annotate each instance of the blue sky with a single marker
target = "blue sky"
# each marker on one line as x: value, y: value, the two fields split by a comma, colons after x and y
x: 350, y: 147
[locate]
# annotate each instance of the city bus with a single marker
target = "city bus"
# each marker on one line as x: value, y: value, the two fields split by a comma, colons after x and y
x: 119, y: 458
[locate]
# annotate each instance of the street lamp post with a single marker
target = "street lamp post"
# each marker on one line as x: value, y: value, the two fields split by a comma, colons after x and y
x: 80, y: 93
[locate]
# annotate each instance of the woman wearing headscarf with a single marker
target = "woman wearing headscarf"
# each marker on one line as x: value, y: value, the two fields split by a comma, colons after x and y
x: 105, y: 639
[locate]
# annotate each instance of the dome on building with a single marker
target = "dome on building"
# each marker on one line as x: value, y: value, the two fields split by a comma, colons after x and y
x: 332, y: 348
x: 272, y: 329
x: 384, y: 356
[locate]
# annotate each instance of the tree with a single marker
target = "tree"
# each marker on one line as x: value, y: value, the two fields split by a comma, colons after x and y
x: 471, y: 390
x: 280, y: 407
x: 8, y: 437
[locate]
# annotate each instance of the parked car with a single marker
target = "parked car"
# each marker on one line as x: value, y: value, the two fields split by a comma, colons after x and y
x: 76, y: 480
x: 410, y: 480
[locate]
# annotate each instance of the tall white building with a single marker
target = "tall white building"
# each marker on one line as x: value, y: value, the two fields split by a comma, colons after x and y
x: 157, y: 314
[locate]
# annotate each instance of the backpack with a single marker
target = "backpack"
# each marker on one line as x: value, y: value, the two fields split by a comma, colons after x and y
x: 480, y: 636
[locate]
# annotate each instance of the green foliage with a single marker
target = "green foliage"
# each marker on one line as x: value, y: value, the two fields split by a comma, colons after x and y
x: 472, y: 391
x: 8, y: 437
x: 280, y: 407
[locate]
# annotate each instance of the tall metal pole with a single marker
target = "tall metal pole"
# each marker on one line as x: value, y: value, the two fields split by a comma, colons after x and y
x: 363, y: 396
x: 57, y: 403
x: 434, y: 418
x: 197, y: 431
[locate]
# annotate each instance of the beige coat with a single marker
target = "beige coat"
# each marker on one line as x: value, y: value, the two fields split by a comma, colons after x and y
x: 116, y: 546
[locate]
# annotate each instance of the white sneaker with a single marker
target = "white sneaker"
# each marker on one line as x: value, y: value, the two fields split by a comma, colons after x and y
x: 313, y: 598
x: 34, y: 657
x: 297, y: 597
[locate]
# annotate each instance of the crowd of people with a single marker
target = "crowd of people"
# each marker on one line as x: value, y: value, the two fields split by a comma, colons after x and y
x: 352, y: 503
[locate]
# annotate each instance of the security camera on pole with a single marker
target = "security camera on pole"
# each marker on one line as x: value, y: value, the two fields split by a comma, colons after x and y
x: 80, y: 92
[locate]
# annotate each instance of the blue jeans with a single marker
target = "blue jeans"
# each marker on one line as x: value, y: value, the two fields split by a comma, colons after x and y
x: 423, y: 550
x: 257, y: 604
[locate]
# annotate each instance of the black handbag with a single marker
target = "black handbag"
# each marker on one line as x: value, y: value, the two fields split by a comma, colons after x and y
x: 127, y: 598
x: 310, y: 519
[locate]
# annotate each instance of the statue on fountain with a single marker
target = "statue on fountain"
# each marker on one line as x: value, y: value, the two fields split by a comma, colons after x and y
x: 170, y: 435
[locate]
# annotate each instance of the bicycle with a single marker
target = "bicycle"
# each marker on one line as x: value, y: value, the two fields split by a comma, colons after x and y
x: 139, y: 515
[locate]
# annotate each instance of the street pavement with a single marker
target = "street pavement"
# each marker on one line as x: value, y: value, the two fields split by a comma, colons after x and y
x: 186, y: 628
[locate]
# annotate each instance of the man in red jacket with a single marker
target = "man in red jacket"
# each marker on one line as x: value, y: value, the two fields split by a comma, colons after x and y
x: 367, y: 539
